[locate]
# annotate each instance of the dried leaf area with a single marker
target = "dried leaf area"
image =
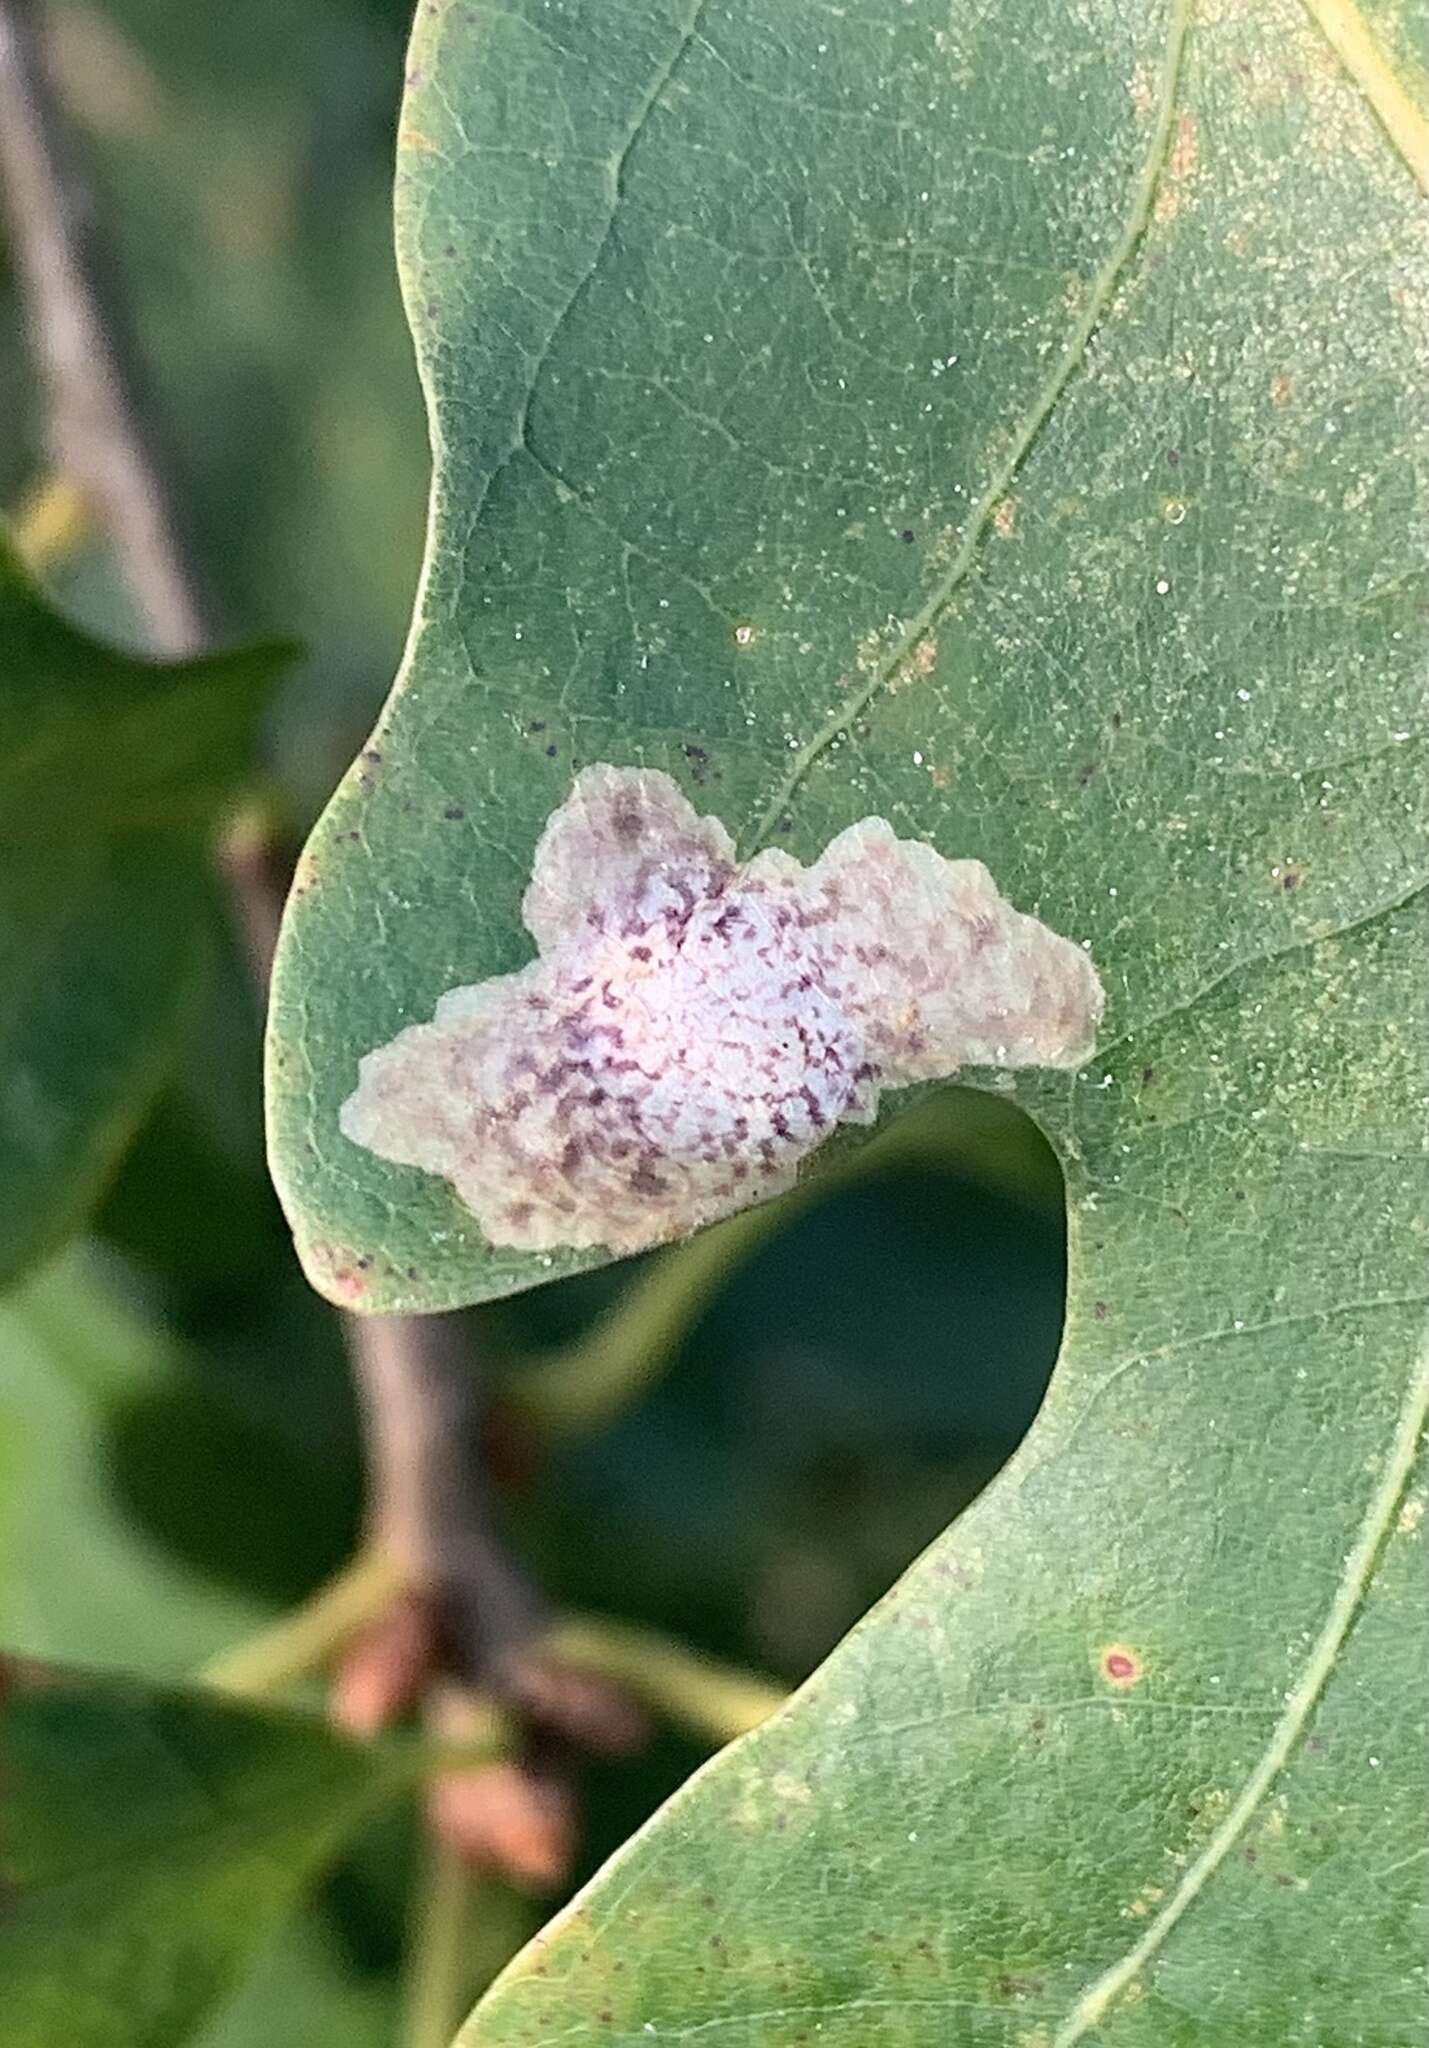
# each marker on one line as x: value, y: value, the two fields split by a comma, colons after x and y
x: 692, y: 1029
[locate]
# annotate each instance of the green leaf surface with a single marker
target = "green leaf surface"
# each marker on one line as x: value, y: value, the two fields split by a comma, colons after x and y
x: 113, y: 772
x: 1063, y: 350
x: 151, y: 1842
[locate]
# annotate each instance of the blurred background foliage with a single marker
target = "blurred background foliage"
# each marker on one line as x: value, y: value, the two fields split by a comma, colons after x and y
x: 179, y: 1457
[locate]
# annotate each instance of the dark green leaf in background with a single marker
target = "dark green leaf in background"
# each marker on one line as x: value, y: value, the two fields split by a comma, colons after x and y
x: 146, y: 1524
x: 149, y: 1842
x: 192, y: 1505
x: 113, y: 774
x: 1030, y: 383
x: 80, y: 1580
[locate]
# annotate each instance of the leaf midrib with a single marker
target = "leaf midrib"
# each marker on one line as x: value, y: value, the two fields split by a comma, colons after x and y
x: 1304, y: 1697
x: 1038, y: 413
x: 1353, y: 42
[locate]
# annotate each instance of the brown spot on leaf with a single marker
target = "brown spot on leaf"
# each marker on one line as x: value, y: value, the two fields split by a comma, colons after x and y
x: 1015, y: 1985
x: 1120, y: 1666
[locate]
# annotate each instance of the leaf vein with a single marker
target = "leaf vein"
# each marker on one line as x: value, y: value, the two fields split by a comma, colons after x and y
x: 1157, y: 1354
x: 1348, y: 34
x: 1039, y: 412
x: 1254, y: 961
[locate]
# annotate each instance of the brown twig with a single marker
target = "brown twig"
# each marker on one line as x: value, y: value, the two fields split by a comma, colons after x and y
x: 102, y: 425
x: 419, y: 1387
x: 469, y: 1610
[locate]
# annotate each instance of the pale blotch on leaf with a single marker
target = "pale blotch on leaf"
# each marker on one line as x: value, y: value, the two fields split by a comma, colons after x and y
x: 692, y: 1029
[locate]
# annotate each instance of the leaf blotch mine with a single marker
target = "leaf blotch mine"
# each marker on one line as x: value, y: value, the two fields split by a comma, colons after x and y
x: 692, y: 1028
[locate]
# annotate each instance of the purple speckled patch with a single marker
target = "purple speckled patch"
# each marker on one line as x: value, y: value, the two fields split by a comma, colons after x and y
x: 692, y: 1028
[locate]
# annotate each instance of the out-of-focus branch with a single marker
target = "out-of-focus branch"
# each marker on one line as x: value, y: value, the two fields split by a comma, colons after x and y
x: 418, y: 1382
x: 104, y: 432
x: 306, y: 1640
x: 106, y: 435
x: 432, y: 2008
x: 255, y: 873
x: 52, y: 519
x: 713, y: 1700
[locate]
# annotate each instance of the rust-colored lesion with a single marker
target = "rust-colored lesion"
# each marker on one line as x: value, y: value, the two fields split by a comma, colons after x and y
x: 1120, y: 1665
x: 691, y: 1028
